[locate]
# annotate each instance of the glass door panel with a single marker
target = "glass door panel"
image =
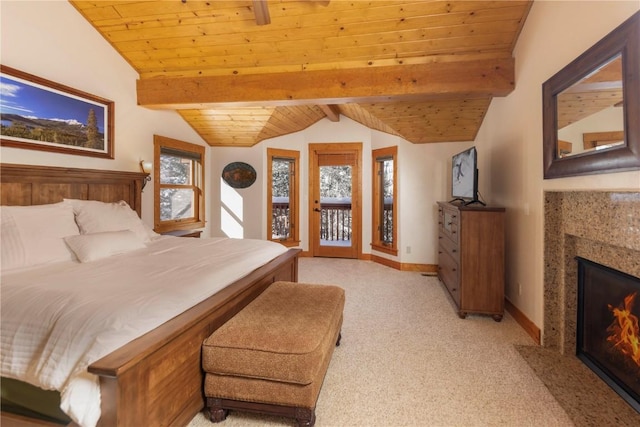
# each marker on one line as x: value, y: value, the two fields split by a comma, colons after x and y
x: 335, y: 206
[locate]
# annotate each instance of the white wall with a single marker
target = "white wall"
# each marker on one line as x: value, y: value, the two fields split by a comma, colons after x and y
x: 423, y: 179
x: 555, y: 33
x: 50, y: 39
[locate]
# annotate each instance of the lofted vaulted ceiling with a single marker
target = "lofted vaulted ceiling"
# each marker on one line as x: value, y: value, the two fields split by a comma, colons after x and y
x: 240, y: 72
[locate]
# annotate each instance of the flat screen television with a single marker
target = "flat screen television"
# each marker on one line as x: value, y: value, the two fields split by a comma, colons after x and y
x: 464, y: 177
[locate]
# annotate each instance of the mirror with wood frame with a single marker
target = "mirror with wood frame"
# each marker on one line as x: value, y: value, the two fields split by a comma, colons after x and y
x: 591, y: 108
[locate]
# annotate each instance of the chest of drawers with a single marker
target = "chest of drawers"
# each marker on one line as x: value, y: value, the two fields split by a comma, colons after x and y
x: 471, y: 257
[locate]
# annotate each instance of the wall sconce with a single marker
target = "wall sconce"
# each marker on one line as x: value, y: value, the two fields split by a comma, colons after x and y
x: 146, y: 167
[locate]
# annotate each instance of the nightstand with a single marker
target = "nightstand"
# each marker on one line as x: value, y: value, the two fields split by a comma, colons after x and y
x: 183, y: 233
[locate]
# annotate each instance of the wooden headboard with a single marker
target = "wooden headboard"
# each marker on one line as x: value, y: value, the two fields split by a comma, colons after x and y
x: 26, y: 185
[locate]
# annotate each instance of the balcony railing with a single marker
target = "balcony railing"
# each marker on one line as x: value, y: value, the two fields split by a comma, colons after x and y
x: 335, y: 221
x: 280, y: 224
x: 387, y: 223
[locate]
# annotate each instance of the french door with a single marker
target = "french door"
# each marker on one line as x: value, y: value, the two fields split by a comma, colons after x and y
x: 335, y: 208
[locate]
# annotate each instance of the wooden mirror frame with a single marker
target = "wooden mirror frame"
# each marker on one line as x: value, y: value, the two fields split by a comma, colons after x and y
x: 624, y: 40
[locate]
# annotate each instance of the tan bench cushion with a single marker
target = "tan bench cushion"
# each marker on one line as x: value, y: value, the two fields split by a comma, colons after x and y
x: 284, y: 335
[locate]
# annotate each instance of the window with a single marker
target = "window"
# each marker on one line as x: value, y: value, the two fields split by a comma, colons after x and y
x: 179, y: 184
x: 384, y: 204
x: 282, y: 196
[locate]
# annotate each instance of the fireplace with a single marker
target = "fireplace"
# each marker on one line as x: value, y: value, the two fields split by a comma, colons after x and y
x: 608, y: 331
x: 604, y: 227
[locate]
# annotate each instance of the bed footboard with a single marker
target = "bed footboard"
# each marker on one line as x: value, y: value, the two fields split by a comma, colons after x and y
x: 157, y: 379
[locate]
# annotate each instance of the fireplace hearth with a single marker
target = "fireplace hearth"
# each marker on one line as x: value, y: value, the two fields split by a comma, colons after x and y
x: 608, y: 330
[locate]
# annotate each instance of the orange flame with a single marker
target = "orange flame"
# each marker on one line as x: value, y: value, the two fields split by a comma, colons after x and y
x: 624, y: 330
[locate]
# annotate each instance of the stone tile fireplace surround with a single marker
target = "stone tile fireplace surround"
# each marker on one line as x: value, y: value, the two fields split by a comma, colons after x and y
x: 603, y: 226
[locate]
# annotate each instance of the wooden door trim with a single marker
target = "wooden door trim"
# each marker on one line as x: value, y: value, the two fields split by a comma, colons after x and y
x: 356, y: 202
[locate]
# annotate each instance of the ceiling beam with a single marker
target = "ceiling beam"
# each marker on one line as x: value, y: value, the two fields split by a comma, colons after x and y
x: 411, y: 82
x: 332, y: 111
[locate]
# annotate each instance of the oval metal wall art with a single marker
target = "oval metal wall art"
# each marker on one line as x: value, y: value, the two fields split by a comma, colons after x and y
x: 239, y: 175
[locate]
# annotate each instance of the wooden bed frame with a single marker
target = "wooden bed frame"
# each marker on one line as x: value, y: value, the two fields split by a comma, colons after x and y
x: 156, y: 379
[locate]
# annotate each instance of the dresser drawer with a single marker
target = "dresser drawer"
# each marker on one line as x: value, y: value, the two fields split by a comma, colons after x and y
x: 450, y: 223
x: 183, y: 233
x: 449, y: 246
x: 448, y: 273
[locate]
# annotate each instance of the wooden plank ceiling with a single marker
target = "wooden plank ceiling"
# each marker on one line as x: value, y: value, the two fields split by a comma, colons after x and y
x: 424, y: 70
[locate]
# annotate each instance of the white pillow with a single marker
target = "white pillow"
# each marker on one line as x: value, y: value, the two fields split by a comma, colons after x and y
x: 12, y: 250
x: 33, y: 235
x: 92, y: 247
x: 96, y: 217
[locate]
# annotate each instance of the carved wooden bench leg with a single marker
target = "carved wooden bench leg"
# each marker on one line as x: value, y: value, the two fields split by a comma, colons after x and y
x: 216, y: 412
x: 305, y: 417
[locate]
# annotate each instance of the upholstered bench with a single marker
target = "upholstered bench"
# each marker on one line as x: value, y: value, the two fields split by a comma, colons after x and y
x: 272, y: 356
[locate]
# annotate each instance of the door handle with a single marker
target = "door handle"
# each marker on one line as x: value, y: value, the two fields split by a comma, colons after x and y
x: 316, y: 210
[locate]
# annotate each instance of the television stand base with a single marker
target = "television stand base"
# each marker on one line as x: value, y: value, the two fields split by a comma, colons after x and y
x: 466, y: 202
x: 471, y: 202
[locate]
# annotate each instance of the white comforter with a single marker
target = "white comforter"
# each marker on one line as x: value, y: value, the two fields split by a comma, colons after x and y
x: 58, y: 319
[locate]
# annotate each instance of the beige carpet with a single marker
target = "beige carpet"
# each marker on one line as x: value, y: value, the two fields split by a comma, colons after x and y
x: 406, y: 359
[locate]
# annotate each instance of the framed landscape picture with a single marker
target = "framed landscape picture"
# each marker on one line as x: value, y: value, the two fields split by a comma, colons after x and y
x: 39, y: 114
